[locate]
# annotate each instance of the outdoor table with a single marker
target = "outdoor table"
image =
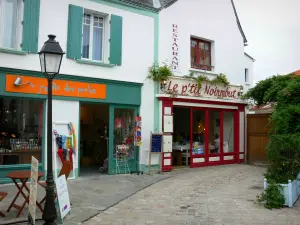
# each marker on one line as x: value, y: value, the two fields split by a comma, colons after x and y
x: 23, y: 176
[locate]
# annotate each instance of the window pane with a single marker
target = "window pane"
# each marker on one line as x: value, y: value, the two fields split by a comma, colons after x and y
x: 193, y: 52
x: 10, y: 23
x: 21, y: 129
x: 181, y: 136
x: 97, y: 43
x: 124, y: 132
x: 198, y: 132
x: 228, y: 132
x: 214, y: 132
x: 86, y: 36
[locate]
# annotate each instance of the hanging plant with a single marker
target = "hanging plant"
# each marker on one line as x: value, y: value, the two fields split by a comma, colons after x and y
x: 159, y: 73
x: 220, y: 79
x: 199, y: 79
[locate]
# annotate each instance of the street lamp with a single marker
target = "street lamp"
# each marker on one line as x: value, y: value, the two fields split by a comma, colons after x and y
x: 50, y: 58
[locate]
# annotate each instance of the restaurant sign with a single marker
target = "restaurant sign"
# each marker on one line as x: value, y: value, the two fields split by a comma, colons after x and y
x: 185, y: 87
x: 35, y: 85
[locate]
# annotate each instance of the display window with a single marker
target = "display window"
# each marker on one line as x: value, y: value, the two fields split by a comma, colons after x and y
x: 21, y: 130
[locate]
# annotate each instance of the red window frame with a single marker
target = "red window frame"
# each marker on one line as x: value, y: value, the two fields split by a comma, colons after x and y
x: 203, y: 52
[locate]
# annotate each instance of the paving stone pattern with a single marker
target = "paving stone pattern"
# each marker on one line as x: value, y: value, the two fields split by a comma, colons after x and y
x: 88, y: 195
x: 222, y: 195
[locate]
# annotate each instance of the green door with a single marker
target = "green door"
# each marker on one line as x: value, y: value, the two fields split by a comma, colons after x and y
x: 123, y: 154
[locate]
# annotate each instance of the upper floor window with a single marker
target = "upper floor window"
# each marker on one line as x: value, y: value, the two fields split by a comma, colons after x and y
x: 93, y: 35
x: 246, y: 75
x: 201, y: 54
x: 11, y: 17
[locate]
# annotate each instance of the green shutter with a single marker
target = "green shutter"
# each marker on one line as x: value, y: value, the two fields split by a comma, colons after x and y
x: 31, y: 26
x: 116, y: 40
x: 74, y: 32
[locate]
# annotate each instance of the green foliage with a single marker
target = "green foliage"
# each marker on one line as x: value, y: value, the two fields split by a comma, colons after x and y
x: 283, y: 149
x: 159, y: 73
x: 199, y: 79
x: 283, y: 152
x: 220, y: 79
x: 286, y: 119
x: 272, y: 197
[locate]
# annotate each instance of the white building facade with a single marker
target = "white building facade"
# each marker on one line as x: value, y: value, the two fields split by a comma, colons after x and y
x: 202, y: 126
x: 102, y: 88
x: 98, y: 93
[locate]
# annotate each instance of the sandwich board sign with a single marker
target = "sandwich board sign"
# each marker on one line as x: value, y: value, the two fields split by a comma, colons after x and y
x: 33, y: 190
x: 63, y: 196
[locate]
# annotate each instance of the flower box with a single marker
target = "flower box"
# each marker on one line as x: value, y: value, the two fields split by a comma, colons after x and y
x: 291, y: 191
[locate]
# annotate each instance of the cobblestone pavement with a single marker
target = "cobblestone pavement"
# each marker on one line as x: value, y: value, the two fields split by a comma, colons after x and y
x: 207, y: 196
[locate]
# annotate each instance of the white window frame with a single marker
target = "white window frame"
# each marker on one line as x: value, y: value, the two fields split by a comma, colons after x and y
x: 104, y: 35
x: 20, y: 15
x: 246, y: 76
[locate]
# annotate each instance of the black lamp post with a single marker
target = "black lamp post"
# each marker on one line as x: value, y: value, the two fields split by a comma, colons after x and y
x: 50, y: 57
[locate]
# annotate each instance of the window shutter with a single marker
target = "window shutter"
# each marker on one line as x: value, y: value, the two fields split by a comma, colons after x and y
x: 116, y: 40
x: 31, y: 26
x: 74, y: 32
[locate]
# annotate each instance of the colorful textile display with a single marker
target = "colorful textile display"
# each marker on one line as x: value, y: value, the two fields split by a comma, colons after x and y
x: 73, y: 134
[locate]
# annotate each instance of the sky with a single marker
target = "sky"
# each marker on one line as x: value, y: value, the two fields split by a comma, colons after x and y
x: 272, y: 28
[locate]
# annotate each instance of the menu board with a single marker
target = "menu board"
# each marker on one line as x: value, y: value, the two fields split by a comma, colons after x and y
x: 156, y: 142
x: 33, y: 190
x: 63, y: 196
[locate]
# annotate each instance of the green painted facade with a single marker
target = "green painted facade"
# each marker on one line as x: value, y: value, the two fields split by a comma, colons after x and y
x: 118, y: 95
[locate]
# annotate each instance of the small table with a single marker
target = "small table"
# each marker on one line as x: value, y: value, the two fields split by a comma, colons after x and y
x: 23, y: 176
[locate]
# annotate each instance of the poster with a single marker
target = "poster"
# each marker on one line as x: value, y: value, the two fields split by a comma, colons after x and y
x: 33, y: 190
x: 63, y: 196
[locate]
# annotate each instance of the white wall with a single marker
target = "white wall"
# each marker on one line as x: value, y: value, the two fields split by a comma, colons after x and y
x: 137, y: 52
x: 64, y: 111
x: 213, y: 20
x: 249, y: 64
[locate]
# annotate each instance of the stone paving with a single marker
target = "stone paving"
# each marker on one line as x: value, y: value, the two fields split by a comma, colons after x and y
x: 88, y: 195
x: 207, y: 196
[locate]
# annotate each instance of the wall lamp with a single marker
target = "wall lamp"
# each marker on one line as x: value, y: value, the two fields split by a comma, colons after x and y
x: 240, y: 93
x: 18, y: 82
x: 163, y: 84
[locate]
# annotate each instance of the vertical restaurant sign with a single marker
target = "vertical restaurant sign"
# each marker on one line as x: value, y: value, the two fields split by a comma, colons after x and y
x: 36, y: 85
x: 175, y: 48
x: 33, y: 190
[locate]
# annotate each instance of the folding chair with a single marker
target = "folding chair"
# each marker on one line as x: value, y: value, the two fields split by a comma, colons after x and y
x: 2, y: 196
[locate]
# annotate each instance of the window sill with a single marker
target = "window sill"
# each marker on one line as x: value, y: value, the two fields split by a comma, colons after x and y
x: 248, y: 84
x: 95, y: 63
x: 12, y: 51
x: 203, y: 71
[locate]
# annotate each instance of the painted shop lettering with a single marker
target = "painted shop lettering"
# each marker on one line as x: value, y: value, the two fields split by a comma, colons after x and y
x: 175, y: 47
x: 207, y: 90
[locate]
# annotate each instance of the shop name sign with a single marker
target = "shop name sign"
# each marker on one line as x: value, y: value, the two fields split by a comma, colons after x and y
x: 189, y: 88
x: 35, y: 85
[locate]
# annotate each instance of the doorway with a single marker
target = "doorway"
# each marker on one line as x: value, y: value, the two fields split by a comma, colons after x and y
x: 94, y: 123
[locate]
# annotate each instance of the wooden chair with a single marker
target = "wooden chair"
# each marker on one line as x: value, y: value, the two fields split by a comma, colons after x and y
x: 2, y: 196
x: 65, y: 170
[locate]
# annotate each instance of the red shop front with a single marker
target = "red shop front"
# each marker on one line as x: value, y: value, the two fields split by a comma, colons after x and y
x: 205, y: 129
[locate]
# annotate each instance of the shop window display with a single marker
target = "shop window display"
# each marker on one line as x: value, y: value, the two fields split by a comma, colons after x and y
x: 124, y: 132
x: 228, y: 131
x: 198, y: 132
x: 21, y: 128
